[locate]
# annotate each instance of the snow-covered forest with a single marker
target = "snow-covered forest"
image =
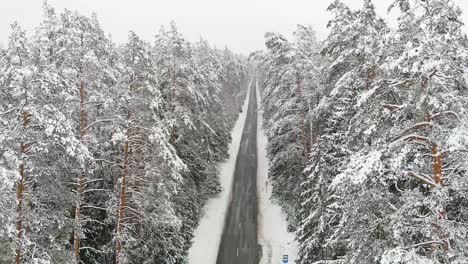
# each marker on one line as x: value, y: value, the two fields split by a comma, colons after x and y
x: 368, y: 134
x: 108, y: 152
x: 111, y: 153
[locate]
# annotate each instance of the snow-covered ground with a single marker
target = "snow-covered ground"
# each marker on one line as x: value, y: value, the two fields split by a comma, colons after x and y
x: 276, y: 241
x: 208, y: 233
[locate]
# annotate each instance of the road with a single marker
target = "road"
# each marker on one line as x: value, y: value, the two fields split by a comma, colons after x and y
x: 239, y: 240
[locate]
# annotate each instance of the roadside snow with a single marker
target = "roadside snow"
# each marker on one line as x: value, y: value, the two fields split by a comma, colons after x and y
x: 207, y: 235
x: 273, y: 236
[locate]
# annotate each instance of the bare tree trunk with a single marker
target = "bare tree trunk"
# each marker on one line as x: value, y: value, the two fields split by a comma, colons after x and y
x: 20, y: 194
x: 80, y: 179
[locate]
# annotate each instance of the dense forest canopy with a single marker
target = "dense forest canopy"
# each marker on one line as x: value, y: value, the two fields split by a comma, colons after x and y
x: 368, y: 134
x: 108, y: 152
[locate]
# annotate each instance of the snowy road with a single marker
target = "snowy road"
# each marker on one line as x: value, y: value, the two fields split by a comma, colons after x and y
x: 239, y: 239
x: 243, y: 215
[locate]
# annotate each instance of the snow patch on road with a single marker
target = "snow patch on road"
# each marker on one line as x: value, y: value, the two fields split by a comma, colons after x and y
x: 207, y: 235
x: 273, y: 236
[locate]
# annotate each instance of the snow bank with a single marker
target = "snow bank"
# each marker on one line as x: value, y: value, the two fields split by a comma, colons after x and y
x: 276, y: 241
x: 208, y: 233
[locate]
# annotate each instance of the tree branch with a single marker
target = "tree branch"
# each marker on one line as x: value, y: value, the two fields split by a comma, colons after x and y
x: 428, y: 243
x: 422, y: 178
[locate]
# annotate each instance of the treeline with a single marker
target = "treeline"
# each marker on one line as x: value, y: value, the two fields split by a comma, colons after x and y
x: 108, y: 152
x: 368, y: 134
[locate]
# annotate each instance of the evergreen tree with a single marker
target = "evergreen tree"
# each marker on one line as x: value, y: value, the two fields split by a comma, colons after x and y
x: 150, y: 166
x: 290, y: 73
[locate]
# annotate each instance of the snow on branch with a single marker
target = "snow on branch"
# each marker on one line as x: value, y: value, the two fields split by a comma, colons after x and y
x: 422, y: 178
x: 94, y: 207
x: 413, y: 137
x: 418, y: 126
x: 393, y: 107
x: 442, y: 114
x: 9, y: 111
x: 95, y: 122
x: 427, y: 243
x: 93, y: 249
x: 410, y: 81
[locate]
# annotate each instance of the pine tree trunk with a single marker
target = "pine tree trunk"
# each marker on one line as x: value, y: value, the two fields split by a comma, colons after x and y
x: 123, y: 193
x: 437, y: 164
x: 437, y: 167
x: 369, y: 78
x: 20, y: 194
x: 123, y: 185
x: 173, y: 94
x: 173, y: 78
x: 80, y: 179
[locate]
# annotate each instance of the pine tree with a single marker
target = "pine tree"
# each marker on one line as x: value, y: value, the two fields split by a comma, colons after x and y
x: 290, y: 78
x: 19, y: 73
x: 149, y: 160
x: 85, y: 67
x: 352, y: 50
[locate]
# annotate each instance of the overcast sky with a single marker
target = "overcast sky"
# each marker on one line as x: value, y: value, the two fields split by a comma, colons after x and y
x: 238, y: 24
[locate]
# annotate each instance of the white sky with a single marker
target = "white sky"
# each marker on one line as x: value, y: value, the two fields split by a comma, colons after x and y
x: 238, y: 24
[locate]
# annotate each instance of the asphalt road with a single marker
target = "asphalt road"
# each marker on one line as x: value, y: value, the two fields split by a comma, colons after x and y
x: 239, y: 240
